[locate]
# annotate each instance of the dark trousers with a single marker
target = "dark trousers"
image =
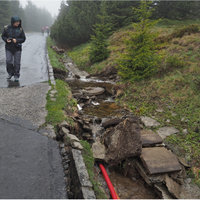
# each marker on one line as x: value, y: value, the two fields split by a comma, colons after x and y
x: 13, y: 62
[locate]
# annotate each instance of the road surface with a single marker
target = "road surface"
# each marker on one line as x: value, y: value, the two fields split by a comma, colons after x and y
x: 30, y: 163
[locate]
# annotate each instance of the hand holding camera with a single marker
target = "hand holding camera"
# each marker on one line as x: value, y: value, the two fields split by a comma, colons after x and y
x: 9, y: 40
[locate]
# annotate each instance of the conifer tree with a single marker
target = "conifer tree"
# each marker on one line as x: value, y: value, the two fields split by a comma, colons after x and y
x: 140, y: 59
x: 5, y: 13
x: 99, y: 50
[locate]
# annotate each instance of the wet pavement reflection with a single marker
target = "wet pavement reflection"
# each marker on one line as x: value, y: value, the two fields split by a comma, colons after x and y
x: 33, y: 62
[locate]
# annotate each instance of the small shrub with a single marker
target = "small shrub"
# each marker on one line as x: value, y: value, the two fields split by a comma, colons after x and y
x: 99, y: 46
x: 174, y: 62
x: 196, y: 81
x: 178, y: 33
x: 140, y: 59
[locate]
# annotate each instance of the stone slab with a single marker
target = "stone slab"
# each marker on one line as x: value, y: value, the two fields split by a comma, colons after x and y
x: 149, y: 179
x: 149, y: 122
x: 162, y: 191
x: 167, y: 131
x: 172, y: 186
x: 99, y: 150
x: 158, y: 160
x: 150, y: 138
x: 88, y: 193
x: 81, y: 168
x: 92, y: 91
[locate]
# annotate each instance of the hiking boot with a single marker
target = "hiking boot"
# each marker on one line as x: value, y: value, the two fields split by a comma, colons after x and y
x: 16, y: 79
x: 9, y: 76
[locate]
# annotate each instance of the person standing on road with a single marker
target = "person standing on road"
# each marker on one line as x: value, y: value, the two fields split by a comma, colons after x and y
x: 13, y: 35
x: 47, y: 28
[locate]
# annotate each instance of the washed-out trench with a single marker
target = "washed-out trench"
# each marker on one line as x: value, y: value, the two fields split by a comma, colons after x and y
x: 98, y: 115
x: 127, y: 183
x: 131, y: 186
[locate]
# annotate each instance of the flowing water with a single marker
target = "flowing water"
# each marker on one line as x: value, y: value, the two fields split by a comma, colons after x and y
x: 127, y: 187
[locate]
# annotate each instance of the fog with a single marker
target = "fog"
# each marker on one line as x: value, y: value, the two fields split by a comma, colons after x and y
x: 51, y: 5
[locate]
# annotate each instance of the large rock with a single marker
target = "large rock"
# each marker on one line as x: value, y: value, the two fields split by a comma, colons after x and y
x: 123, y: 141
x: 93, y: 91
x: 99, y: 150
x: 189, y: 190
x: 112, y: 122
x: 166, y: 131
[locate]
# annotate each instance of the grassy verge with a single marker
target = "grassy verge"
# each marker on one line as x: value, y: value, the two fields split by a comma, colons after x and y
x: 58, y: 110
x: 89, y: 162
x: 175, y: 88
x: 53, y: 56
x: 64, y: 103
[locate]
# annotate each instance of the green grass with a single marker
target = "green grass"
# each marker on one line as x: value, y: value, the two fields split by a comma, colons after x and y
x: 166, y: 23
x: 54, y: 58
x: 89, y: 162
x: 81, y: 55
x: 173, y: 85
x: 56, y: 109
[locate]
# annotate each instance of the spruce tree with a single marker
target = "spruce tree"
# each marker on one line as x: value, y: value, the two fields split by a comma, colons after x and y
x: 99, y: 44
x: 5, y: 13
x: 140, y: 59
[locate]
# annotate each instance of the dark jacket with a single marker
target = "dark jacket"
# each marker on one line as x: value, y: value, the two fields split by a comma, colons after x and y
x: 14, y: 33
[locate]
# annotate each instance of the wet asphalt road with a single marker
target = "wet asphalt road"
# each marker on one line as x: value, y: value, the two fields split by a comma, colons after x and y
x: 33, y: 62
x: 30, y: 163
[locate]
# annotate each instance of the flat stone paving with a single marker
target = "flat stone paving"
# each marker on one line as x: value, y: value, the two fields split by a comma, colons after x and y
x: 158, y: 160
x: 149, y: 138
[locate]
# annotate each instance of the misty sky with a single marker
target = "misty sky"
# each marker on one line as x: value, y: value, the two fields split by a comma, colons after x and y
x: 51, y: 5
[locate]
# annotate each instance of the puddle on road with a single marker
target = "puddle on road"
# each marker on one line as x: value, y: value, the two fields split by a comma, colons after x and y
x: 125, y: 187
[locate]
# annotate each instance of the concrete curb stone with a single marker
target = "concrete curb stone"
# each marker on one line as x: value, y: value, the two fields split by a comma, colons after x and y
x: 83, y: 186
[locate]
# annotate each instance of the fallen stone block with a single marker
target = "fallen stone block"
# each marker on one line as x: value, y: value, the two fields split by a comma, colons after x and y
x: 149, y: 122
x: 149, y: 138
x: 99, y: 150
x: 162, y: 191
x: 77, y: 145
x: 167, y: 131
x: 93, y: 91
x: 123, y: 141
x: 158, y: 160
x: 149, y: 179
x: 112, y: 122
x: 172, y: 186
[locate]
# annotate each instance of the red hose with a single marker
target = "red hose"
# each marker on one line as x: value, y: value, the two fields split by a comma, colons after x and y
x: 110, y: 186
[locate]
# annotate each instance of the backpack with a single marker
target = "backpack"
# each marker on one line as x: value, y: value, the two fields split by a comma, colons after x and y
x: 5, y: 27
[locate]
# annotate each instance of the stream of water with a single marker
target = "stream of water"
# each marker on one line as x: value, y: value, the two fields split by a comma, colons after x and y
x: 127, y: 187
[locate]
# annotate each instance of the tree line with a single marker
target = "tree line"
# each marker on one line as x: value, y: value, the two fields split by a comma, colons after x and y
x: 75, y: 22
x: 33, y: 18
